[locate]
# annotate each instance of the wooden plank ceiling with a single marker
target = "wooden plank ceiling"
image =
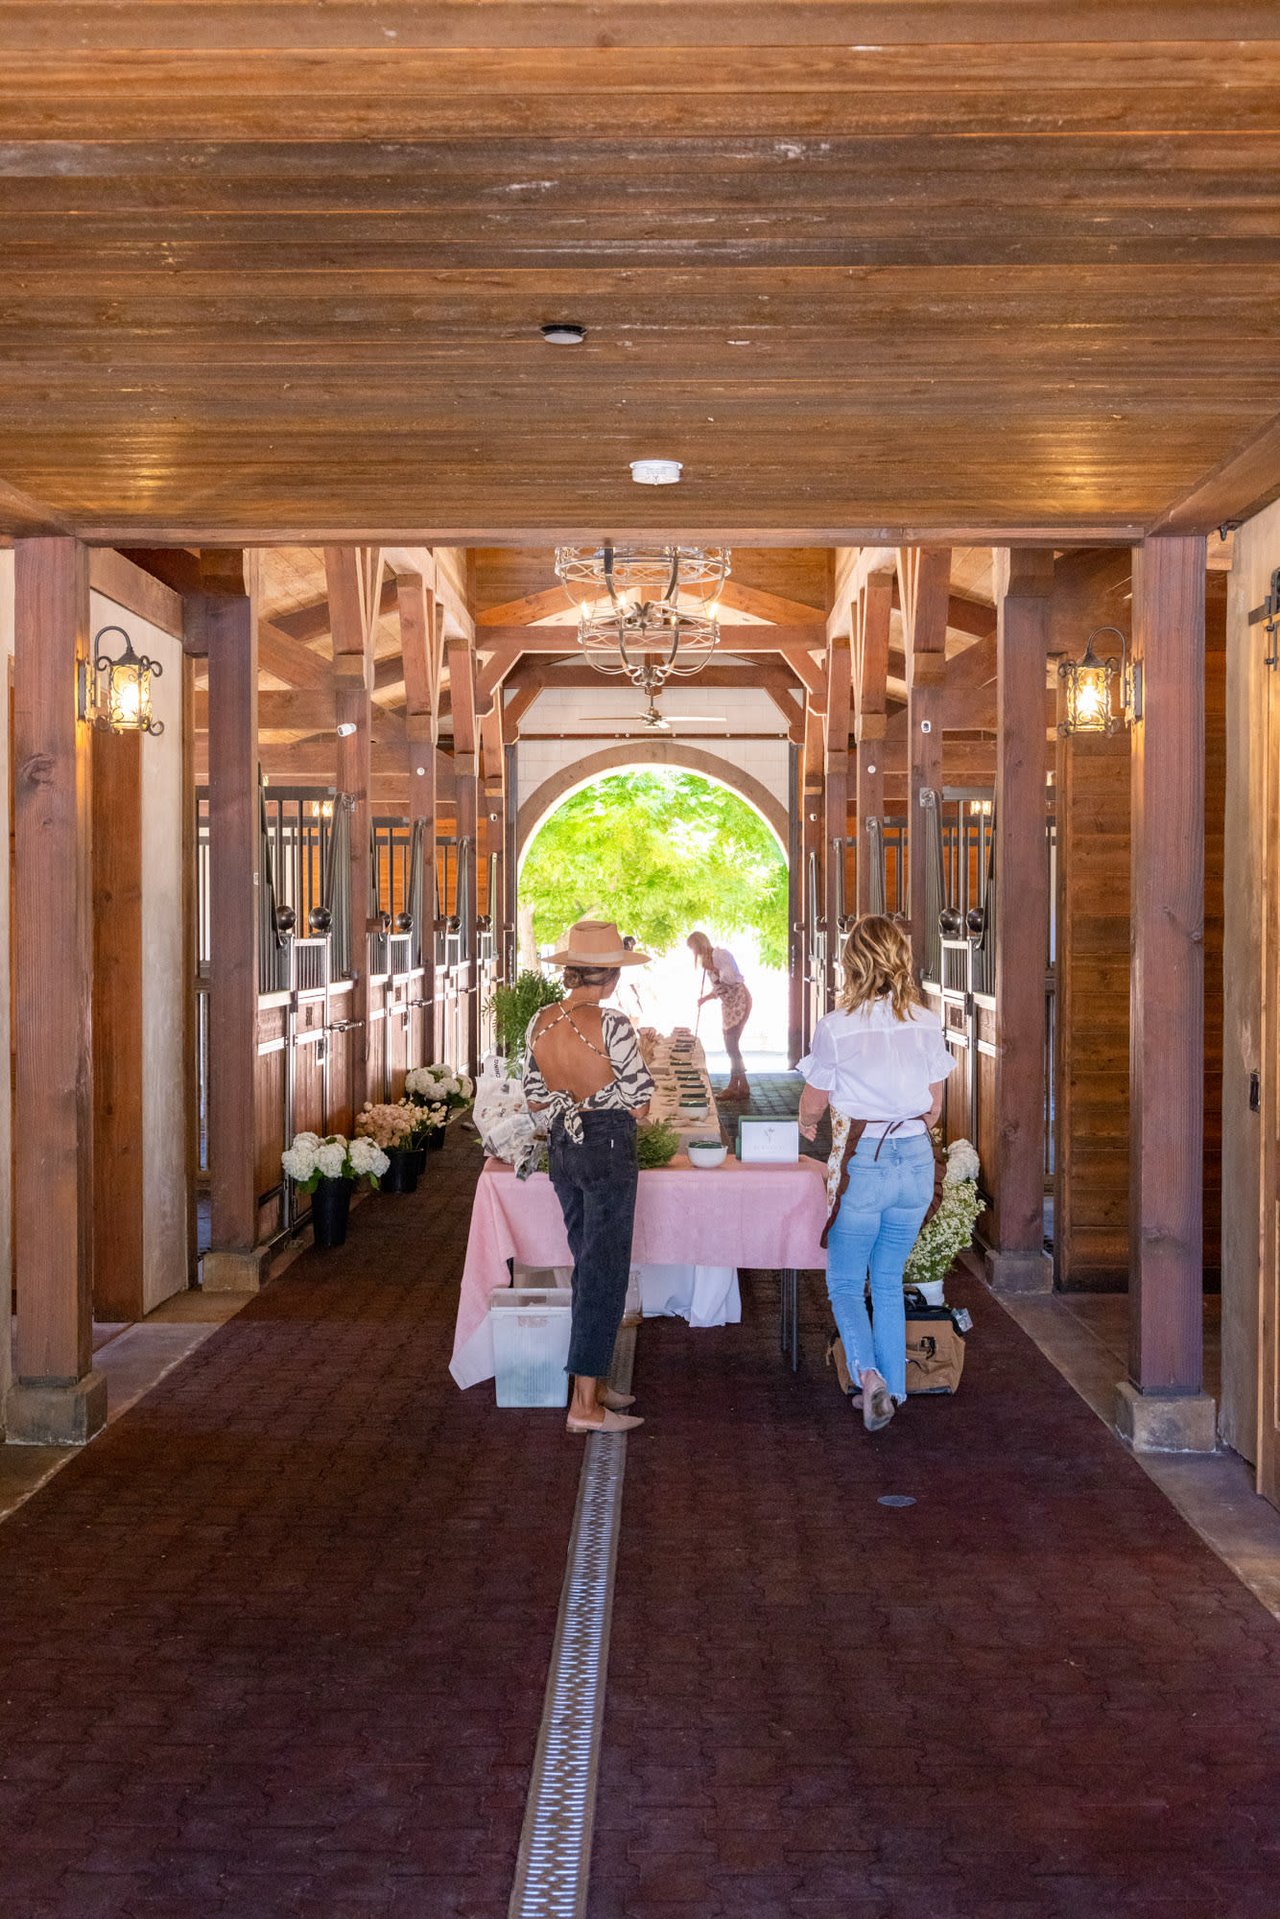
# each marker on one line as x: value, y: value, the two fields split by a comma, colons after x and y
x: 871, y: 270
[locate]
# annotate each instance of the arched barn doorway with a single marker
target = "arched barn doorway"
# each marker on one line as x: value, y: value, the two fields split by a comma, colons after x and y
x: 665, y: 842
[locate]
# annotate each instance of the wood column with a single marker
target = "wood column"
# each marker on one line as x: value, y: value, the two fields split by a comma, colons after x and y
x: 1016, y: 1259
x: 924, y: 575
x: 117, y: 1026
x: 225, y: 628
x: 871, y: 667
x: 1162, y: 1406
x: 795, y: 902
x: 56, y: 1397
x: 461, y: 661
x: 422, y: 653
x: 354, y: 578
x: 836, y: 801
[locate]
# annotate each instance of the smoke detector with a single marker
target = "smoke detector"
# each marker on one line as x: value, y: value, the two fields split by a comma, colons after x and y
x: 563, y: 333
x: 656, y: 472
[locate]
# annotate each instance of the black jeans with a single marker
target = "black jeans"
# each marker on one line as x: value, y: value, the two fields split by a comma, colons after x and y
x: 596, y: 1186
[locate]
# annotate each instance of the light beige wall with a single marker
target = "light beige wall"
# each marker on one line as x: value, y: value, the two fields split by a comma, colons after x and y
x: 163, y: 984
x: 1257, y: 553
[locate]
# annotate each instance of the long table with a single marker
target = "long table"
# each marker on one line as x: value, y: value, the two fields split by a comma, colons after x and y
x: 733, y: 1215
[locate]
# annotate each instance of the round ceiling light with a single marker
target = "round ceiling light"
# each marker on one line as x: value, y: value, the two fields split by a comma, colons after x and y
x: 564, y: 333
x: 656, y: 472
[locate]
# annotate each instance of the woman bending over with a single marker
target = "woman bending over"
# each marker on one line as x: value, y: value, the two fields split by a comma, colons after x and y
x: 721, y: 970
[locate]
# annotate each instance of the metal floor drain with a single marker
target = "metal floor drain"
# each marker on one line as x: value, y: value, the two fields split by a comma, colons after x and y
x: 895, y: 1499
x: 554, y: 1861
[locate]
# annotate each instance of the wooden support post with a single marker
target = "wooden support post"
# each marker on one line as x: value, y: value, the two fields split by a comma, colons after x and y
x: 461, y: 660
x: 924, y: 575
x: 421, y: 651
x: 795, y: 902
x: 871, y: 668
x: 812, y: 887
x: 1162, y: 1406
x: 836, y: 803
x: 225, y: 627
x: 354, y: 578
x: 56, y: 1398
x: 1016, y: 1259
x: 117, y: 1026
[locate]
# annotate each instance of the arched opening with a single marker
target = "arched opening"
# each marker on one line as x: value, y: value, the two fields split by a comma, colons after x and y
x: 664, y: 851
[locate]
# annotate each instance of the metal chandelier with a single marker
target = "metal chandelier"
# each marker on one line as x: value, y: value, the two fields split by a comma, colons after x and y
x: 650, y: 613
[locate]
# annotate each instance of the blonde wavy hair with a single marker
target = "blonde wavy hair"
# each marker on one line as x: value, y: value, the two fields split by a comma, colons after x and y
x: 876, y: 961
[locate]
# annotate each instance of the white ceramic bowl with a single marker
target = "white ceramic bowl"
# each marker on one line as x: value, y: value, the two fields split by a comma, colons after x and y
x: 705, y: 1155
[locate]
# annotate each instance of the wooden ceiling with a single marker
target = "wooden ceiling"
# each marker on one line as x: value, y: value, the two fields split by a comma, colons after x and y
x: 873, y: 269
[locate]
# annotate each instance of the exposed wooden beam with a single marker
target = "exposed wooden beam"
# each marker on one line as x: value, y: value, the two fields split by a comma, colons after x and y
x: 1237, y: 488
x: 923, y: 575
x: 353, y: 576
x: 773, y: 607
x: 23, y: 518
x: 871, y: 610
x: 128, y: 586
x: 313, y: 621
x: 553, y: 601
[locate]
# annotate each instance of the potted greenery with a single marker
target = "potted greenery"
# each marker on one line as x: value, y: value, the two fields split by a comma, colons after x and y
x: 328, y: 1169
x: 513, y: 1005
x: 437, y: 1091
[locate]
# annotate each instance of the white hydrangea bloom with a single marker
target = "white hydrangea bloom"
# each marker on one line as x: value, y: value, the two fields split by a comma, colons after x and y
x: 367, y: 1157
x: 299, y: 1161
x: 331, y: 1158
x: 962, y: 1162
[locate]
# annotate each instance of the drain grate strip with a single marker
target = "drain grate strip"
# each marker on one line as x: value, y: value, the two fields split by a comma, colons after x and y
x: 554, y: 1861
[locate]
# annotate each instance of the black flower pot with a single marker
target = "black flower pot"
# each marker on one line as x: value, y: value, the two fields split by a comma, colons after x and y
x: 330, y: 1208
x: 435, y: 1139
x: 418, y: 1154
x: 401, y: 1175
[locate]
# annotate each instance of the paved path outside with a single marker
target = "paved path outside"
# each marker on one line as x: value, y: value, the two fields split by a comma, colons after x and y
x: 274, y: 1646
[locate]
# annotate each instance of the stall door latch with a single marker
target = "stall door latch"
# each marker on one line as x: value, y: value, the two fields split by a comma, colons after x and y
x: 1269, y: 614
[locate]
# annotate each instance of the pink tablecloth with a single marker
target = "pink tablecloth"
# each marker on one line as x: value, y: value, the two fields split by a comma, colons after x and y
x: 733, y: 1216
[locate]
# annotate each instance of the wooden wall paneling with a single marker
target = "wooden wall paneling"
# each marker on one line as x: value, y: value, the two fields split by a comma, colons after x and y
x: 1215, y: 802
x: 117, y: 1027
x: 923, y: 581
x: 190, y: 964
x: 354, y: 579
x: 1267, y: 1142
x: 56, y: 1396
x: 270, y: 1069
x: 1162, y: 1404
x: 1015, y: 1256
x: 308, y: 1067
x: 341, y: 1049
x: 1091, y: 1158
x: 225, y: 624
x: 871, y: 630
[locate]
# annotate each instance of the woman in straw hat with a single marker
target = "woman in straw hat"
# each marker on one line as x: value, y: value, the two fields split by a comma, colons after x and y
x: 583, y: 1068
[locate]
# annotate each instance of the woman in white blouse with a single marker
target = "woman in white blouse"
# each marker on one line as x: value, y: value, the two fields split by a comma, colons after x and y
x: 879, y: 1059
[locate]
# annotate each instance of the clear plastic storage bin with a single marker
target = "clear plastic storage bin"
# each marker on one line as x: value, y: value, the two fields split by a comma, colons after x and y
x: 530, y: 1344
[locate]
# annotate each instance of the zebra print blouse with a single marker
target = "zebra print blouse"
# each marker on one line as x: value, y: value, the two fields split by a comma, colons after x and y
x: 631, y: 1086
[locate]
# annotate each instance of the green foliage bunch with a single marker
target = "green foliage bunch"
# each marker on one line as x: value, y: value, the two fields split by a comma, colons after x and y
x: 656, y: 1143
x: 661, y: 852
x: 514, y: 1005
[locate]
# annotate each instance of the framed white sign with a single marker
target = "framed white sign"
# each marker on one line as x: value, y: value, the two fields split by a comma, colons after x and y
x: 768, y: 1141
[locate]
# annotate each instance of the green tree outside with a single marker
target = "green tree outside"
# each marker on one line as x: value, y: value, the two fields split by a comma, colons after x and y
x: 660, y: 852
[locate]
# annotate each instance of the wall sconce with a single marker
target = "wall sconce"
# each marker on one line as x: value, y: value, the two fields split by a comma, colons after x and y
x: 115, y: 694
x: 1091, y: 685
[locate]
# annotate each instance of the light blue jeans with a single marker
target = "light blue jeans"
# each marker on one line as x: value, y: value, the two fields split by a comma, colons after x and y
x: 879, y: 1218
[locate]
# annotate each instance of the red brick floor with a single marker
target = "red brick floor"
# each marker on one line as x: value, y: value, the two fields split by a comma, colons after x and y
x: 1033, y: 1695
x: 275, y: 1644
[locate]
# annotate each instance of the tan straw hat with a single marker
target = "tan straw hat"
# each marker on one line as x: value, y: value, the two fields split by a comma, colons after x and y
x: 595, y: 943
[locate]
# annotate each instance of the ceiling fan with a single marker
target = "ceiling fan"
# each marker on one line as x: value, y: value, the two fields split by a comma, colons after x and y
x: 659, y: 722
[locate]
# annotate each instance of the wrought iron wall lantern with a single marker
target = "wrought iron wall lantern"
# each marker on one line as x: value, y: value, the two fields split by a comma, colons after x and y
x: 1103, y: 695
x: 115, y: 693
x: 628, y: 601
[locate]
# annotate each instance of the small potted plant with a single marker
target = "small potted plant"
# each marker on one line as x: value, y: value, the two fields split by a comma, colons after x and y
x: 392, y: 1127
x: 513, y: 1005
x: 328, y: 1169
